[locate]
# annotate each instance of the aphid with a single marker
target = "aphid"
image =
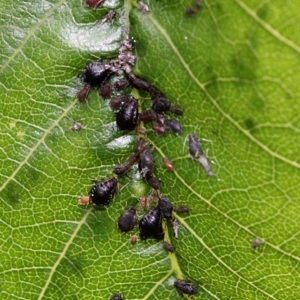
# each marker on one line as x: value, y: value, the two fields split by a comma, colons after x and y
x: 189, y: 12
x: 105, y: 91
x: 147, y: 116
x: 160, y: 119
x: 161, y: 104
x: 122, y: 169
x: 175, y: 228
x: 197, y: 4
x: 195, y: 146
x: 185, y: 287
x: 159, y: 130
x: 205, y: 164
x: 176, y: 110
x: 183, y: 209
x: 141, y: 130
x: 83, y: 93
x: 166, y: 207
x: 153, y: 182
x: 116, y: 103
x: 140, y: 145
x: 174, y: 126
x: 168, y: 164
x: 146, y: 164
x: 169, y: 247
x: 133, y: 240
x: 127, y: 116
x: 77, y: 126
x: 144, y: 202
x: 128, y: 219
x: 94, y: 3
x: 96, y: 73
x: 116, y: 297
x: 143, y: 7
x: 151, y: 225
x: 102, y: 192
x: 256, y: 243
x: 84, y: 200
x: 121, y: 85
x: 109, y: 16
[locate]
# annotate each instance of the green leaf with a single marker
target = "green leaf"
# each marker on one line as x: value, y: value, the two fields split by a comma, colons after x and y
x: 232, y: 67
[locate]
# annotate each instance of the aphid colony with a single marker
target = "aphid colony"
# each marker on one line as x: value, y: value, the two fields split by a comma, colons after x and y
x: 114, y: 80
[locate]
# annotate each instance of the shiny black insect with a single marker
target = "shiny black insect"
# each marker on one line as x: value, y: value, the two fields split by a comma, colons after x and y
x: 116, y: 297
x: 102, y: 192
x: 128, y: 219
x: 127, y: 116
x: 151, y: 225
x: 142, y: 84
x: 146, y: 164
x: 161, y: 104
x: 166, y: 207
x: 183, y: 209
x: 194, y: 145
x: 174, y: 126
x: 169, y: 247
x: 96, y: 73
x: 185, y: 287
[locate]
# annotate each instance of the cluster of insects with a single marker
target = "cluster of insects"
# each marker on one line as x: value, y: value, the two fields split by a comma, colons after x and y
x: 114, y: 80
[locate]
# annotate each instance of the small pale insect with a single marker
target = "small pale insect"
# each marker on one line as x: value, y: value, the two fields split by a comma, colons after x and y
x: 175, y: 228
x: 77, y: 126
x: 168, y: 164
x: 256, y: 243
x: 109, y: 16
x: 84, y: 200
x: 133, y: 240
x: 203, y: 160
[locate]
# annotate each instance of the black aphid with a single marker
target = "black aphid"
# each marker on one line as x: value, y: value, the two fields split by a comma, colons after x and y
x: 185, y: 287
x: 194, y: 145
x: 174, y: 126
x: 139, y: 83
x: 128, y: 219
x: 153, y: 182
x: 151, y: 225
x: 166, y: 207
x: 122, y: 169
x: 127, y: 116
x: 169, y: 247
x: 121, y: 84
x: 146, y: 164
x: 140, y: 145
x: 183, y: 209
x: 96, y: 73
x: 116, y: 297
x: 176, y: 110
x: 102, y: 192
x: 161, y: 104
x: 147, y: 116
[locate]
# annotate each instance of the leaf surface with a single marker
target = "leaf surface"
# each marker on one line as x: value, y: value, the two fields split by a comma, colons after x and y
x: 233, y: 68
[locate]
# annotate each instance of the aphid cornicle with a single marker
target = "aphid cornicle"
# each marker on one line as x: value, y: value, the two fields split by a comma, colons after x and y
x: 102, y: 192
x: 128, y: 219
x: 127, y: 116
x: 151, y: 225
x: 96, y: 73
x: 166, y: 207
x: 185, y: 287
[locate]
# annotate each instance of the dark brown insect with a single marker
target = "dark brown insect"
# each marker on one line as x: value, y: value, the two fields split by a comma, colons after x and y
x: 116, y: 297
x: 153, y: 182
x: 198, y: 4
x: 147, y: 116
x: 133, y: 240
x: 117, y: 102
x: 176, y: 110
x: 83, y: 94
x: 185, y: 287
x: 128, y: 219
x: 160, y: 104
x: 174, y: 126
x: 159, y: 130
x: 146, y: 163
x: 105, y: 91
x: 189, y: 12
x: 168, y: 164
x: 183, y: 209
x: 169, y: 247
x: 94, y: 3
x: 127, y: 116
x: 122, y: 169
x: 166, y: 207
x: 121, y: 85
